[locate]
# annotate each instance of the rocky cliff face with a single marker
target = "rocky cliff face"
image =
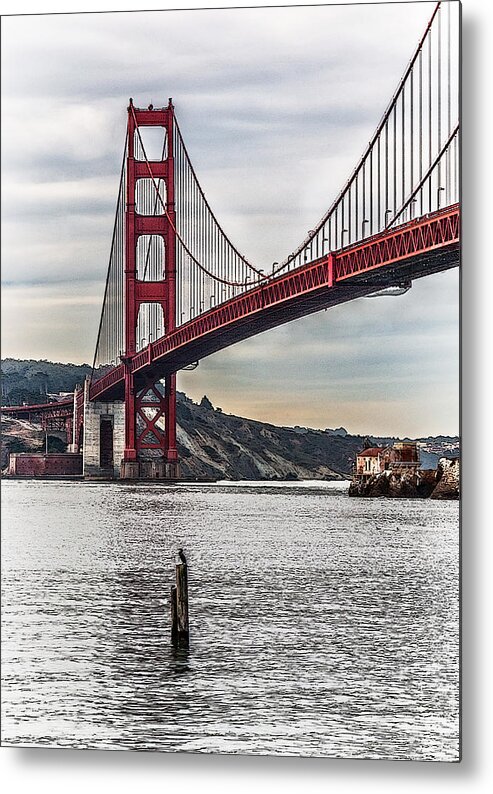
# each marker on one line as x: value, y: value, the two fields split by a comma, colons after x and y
x: 20, y: 436
x: 448, y: 479
x: 213, y: 444
x: 401, y: 484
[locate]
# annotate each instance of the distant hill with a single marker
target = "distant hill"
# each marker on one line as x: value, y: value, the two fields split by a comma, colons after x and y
x: 210, y: 442
x: 28, y: 381
x: 214, y: 444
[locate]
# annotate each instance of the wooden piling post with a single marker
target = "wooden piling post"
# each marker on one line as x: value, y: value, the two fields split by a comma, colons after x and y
x: 182, y: 601
x: 174, y: 614
x: 179, y: 602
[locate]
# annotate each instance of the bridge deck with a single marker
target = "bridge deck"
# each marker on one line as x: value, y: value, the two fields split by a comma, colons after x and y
x: 418, y: 248
x: 60, y: 408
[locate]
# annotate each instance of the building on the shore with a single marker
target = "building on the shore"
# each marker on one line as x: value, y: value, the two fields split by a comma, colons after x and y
x: 375, y: 460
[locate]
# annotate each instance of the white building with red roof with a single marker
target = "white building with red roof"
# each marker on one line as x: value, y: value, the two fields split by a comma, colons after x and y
x: 375, y: 460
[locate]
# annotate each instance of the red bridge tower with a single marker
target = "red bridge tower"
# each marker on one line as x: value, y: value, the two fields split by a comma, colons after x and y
x: 150, y: 412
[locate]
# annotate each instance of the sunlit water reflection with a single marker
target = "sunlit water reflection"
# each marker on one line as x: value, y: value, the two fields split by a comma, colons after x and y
x: 320, y: 625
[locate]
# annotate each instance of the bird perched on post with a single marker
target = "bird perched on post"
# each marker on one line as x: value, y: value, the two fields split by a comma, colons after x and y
x: 182, y: 557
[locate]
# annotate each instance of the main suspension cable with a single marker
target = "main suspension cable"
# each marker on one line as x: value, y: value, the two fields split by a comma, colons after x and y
x: 202, y: 267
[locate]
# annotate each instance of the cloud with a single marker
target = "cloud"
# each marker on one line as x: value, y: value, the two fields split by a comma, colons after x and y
x: 275, y: 106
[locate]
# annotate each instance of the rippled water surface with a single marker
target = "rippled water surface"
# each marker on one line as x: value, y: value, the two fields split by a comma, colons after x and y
x: 320, y: 625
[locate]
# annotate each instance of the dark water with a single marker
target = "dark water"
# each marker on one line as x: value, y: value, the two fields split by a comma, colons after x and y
x: 320, y: 625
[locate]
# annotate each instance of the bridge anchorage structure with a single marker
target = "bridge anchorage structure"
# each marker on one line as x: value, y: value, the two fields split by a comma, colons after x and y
x: 177, y: 290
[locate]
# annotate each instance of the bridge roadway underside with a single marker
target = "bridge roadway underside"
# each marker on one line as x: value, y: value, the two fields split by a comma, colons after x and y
x: 291, y: 308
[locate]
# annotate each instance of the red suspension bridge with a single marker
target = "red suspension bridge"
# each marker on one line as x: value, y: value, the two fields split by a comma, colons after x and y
x: 177, y: 289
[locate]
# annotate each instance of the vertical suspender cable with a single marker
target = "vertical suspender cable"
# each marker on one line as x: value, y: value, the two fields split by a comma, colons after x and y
x: 394, y: 160
x: 429, y: 116
x: 403, y: 144
x: 101, y: 351
x: 439, y: 96
x: 411, y: 136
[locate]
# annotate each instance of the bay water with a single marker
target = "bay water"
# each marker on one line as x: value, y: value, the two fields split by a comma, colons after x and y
x: 320, y: 625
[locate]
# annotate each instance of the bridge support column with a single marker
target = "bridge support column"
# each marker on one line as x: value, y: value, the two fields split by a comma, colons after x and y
x: 72, y: 441
x: 104, y: 436
x: 77, y: 423
x: 150, y: 431
x: 170, y: 427
x: 129, y: 464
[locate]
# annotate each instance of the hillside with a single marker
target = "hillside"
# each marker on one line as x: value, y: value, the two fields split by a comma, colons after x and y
x: 211, y: 443
x: 214, y: 444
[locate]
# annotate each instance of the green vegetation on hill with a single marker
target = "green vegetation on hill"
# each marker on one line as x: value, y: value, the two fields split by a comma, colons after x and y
x: 31, y: 381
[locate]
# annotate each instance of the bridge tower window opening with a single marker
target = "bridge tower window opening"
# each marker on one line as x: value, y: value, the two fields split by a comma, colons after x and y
x: 151, y: 324
x: 146, y: 197
x: 154, y: 144
x: 150, y: 257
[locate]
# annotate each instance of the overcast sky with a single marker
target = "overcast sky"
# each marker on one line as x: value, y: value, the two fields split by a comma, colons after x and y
x: 276, y: 106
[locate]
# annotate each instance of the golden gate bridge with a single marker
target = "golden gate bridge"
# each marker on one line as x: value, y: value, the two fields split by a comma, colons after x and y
x: 178, y: 290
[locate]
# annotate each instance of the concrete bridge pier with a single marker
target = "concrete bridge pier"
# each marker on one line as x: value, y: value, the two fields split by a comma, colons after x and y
x: 103, y: 437
x: 152, y: 469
